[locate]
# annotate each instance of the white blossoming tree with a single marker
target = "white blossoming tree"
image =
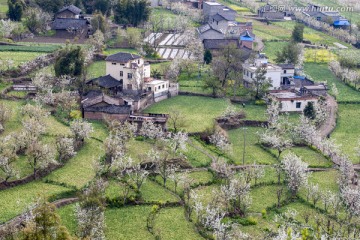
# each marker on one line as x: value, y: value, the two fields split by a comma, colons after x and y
x: 296, y: 172
x: 81, y: 130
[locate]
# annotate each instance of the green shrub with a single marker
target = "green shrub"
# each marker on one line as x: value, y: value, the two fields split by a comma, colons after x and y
x: 246, y: 221
x: 75, y: 114
x: 264, y: 213
x: 260, y: 102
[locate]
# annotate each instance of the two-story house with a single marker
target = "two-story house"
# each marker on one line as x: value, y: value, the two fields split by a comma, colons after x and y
x: 129, y: 69
x: 70, y: 23
x: 222, y: 29
x: 273, y: 72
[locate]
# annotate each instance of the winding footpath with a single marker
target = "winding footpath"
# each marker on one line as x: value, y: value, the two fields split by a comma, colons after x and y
x: 329, y: 125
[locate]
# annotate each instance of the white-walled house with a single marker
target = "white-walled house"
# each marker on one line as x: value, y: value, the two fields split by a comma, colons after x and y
x: 280, y: 74
x: 129, y: 69
x: 272, y: 71
x: 160, y: 88
x: 291, y: 101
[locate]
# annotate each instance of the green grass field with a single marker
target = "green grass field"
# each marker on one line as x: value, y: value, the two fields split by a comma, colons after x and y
x: 14, y: 201
x: 347, y: 130
x: 199, y: 112
x: 253, y: 152
x: 321, y: 73
x: 18, y: 58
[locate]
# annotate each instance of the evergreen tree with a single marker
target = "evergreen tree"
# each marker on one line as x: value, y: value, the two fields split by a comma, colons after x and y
x: 44, y: 224
x: 298, y: 33
x: 207, y: 56
x: 69, y: 62
x: 132, y: 12
x: 50, y: 6
x: 102, y: 6
x: 309, y: 111
x: 289, y: 54
x: 15, y: 11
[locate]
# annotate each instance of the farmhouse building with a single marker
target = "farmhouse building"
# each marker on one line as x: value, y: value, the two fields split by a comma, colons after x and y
x: 271, y: 12
x: 69, y: 23
x: 127, y: 83
x: 221, y: 28
x: 70, y: 11
x: 296, y: 99
x: 282, y: 75
x: 323, y: 14
x: 129, y: 69
x: 212, y: 8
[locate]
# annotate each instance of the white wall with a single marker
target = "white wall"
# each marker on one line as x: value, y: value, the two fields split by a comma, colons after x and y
x: 273, y: 74
x: 114, y: 69
x: 290, y: 106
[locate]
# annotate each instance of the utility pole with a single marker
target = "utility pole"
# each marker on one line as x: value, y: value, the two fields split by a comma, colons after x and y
x: 244, y: 128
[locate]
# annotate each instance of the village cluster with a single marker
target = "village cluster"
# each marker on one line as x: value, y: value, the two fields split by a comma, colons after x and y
x: 179, y: 119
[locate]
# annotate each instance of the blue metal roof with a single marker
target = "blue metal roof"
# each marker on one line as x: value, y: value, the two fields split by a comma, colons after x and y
x: 341, y: 23
x: 246, y: 38
x: 299, y: 77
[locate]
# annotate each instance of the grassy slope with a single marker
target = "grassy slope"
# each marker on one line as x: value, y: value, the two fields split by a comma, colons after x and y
x: 171, y: 224
x: 321, y: 73
x: 347, y: 129
x: 253, y: 153
x: 15, y: 200
x: 18, y: 57
x: 127, y: 223
x: 199, y: 112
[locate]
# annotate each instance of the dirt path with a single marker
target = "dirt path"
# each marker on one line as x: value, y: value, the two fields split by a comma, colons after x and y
x: 330, y: 123
x: 260, y: 44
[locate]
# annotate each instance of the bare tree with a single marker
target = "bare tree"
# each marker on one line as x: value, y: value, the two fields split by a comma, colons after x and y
x: 176, y: 119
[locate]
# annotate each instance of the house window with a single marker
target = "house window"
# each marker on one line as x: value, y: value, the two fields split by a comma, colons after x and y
x: 298, y: 105
x: 251, y: 75
x: 163, y: 86
x: 284, y: 71
x: 318, y: 18
x: 139, y: 61
x: 155, y: 89
x: 113, y: 63
x: 121, y: 73
x: 129, y: 76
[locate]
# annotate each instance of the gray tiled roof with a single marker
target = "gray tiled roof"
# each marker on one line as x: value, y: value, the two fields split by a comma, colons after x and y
x: 287, y: 66
x: 122, y: 57
x: 105, y: 81
x: 218, y: 17
x: 219, y: 43
x: 71, y: 8
x: 66, y: 23
x: 111, y: 109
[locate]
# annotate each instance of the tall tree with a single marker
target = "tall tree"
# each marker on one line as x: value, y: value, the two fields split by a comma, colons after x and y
x: 70, y: 62
x: 289, y: 54
x: 309, y: 111
x: 50, y: 6
x: 15, y: 11
x: 132, y: 12
x: 298, y: 33
x: 227, y: 63
x: 207, y: 56
x: 260, y: 83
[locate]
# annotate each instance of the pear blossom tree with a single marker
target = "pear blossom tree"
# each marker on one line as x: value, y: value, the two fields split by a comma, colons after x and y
x: 90, y: 211
x: 151, y: 130
x: 295, y: 171
x: 39, y: 156
x: 65, y: 148
x: 137, y: 176
x: 276, y: 141
x: 7, y: 158
x: 81, y: 131
x: 5, y: 114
